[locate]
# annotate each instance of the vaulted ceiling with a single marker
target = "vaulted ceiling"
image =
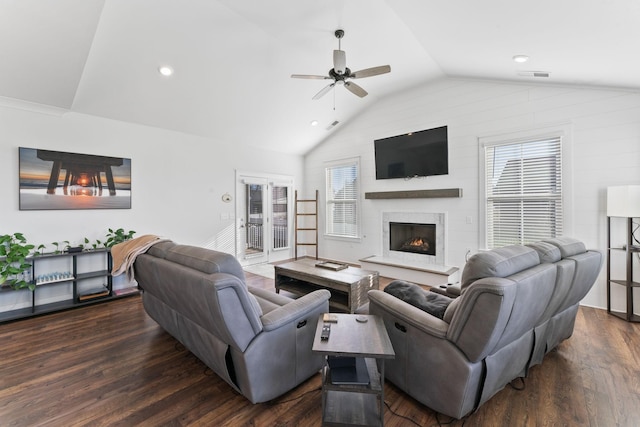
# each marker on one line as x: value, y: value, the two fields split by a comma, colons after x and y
x: 232, y: 59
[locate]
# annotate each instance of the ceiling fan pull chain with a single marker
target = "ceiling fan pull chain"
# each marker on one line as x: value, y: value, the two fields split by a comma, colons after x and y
x: 334, y: 98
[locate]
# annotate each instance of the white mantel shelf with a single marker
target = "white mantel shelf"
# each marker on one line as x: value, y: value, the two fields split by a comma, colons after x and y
x: 421, y: 273
x: 415, y: 194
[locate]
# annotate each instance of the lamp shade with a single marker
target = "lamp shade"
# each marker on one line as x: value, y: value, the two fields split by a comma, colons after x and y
x: 624, y: 201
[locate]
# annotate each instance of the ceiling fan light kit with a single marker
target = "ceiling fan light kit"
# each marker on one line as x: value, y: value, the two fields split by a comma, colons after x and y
x: 342, y: 75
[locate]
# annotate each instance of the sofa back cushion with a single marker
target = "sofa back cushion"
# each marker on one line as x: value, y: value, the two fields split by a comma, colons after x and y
x: 500, y: 262
x: 205, y: 260
x: 587, y: 265
x: 551, y: 254
x: 546, y: 251
x: 568, y: 246
x: 159, y: 250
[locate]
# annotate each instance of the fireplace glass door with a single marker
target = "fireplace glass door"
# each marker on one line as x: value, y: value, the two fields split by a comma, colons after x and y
x: 412, y: 238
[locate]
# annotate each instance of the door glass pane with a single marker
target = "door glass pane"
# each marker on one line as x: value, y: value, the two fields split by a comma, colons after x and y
x: 255, y: 218
x: 280, y: 207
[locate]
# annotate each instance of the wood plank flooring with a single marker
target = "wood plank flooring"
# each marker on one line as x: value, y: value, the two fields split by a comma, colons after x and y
x: 111, y: 365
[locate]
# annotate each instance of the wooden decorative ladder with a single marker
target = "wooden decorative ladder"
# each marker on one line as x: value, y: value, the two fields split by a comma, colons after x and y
x: 306, y: 217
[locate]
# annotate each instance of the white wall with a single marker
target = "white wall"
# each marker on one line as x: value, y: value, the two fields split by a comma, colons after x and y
x: 177, y: 179
x: 605, y: 145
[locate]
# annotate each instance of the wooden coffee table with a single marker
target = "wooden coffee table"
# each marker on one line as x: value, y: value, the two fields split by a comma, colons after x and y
x: 348, y: 287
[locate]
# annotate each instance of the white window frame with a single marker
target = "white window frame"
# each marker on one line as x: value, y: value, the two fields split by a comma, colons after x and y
x: 330, y: 202
x: 564, y: 132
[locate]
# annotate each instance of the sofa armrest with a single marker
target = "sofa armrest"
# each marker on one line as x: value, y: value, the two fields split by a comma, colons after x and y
x: 295, y: 309
x: 269, y: 295
x: 454, y: 290
x: 400, y: 310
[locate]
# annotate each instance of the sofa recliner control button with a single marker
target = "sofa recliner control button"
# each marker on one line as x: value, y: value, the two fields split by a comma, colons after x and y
x: 400, y: 327
x: 302, y: 323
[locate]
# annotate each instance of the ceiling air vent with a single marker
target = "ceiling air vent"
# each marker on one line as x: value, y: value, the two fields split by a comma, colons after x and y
x: 332, y: 125
x: 534, y: 73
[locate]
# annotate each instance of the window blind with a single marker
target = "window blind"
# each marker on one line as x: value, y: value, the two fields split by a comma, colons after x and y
x: 523, y: 191
x: 342, y: 199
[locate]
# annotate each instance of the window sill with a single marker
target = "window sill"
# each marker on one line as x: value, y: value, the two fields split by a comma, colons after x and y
x: 342, y: 238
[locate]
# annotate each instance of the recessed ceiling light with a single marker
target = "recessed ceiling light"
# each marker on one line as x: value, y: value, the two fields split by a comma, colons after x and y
x: 314, y: 123
x: 165, y: 70
x: 520, y: 58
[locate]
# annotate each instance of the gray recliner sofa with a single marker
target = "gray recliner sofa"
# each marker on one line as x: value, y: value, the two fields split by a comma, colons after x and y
x: 514, y: 307
x: 258, y: 341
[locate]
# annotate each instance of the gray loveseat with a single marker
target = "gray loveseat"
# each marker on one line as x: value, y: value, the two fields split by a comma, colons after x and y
x: 516, y: 304
x: 256, y: 340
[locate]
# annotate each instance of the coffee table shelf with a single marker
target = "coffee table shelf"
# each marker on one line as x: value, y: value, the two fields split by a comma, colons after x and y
x: 339, y: 300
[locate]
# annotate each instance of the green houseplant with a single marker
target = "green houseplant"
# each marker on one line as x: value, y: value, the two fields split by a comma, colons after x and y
x: 14, y: 251
x: 117, y: 236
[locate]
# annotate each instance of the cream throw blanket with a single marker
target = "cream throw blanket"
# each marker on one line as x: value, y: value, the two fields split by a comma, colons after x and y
x: 125, y: 253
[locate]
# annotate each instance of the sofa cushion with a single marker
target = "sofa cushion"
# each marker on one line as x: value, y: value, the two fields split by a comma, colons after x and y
x: 160, y: 250
x: 451, y: 310
x: 546, y: 251
x: 413, y: 294
x: 568, y: 246
x: 201, y: 259
x: 500, y: 262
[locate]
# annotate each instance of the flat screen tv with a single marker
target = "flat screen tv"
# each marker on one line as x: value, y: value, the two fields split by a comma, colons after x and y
x: 414, y: 154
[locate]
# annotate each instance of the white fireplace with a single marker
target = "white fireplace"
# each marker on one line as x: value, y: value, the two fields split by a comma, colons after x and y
x: 413, y: 248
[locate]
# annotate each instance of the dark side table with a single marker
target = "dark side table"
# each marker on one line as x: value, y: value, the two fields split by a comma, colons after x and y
x: 361, y: 336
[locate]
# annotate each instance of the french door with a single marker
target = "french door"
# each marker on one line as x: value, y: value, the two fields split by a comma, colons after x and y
x: 264, y: 219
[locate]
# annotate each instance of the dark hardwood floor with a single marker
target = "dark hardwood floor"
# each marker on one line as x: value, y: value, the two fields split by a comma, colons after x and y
x: 111, y: 365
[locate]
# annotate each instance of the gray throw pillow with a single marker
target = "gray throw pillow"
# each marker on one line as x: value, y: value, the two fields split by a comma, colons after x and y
x: 413, y: 294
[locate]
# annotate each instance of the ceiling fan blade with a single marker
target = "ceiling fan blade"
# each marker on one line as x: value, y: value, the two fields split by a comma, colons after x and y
x: 368, y: 72
x: 308, y: 76
x: 324, y: 91
x: 355, y: 89
x: 339, y: 61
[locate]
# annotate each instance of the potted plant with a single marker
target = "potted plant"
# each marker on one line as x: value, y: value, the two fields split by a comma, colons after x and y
x: 57, y: 245
x: 14, y: 251
x: 117, y: 236
x: 77, y: 248
x: 96, y: 244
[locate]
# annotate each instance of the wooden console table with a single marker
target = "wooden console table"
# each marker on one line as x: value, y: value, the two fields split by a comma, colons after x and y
x: 348, y: 287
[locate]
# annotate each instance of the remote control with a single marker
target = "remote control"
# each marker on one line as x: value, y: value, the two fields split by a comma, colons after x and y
x: 326, y: 329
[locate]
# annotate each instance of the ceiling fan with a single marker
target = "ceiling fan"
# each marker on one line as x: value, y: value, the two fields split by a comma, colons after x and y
x: 342, y: 75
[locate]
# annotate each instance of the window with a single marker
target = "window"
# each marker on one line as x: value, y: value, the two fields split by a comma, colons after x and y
x: 342, y: 199
x: 523, y: 191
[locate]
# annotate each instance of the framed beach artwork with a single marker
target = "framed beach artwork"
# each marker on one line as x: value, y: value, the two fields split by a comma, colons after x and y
x: 60, y: 180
